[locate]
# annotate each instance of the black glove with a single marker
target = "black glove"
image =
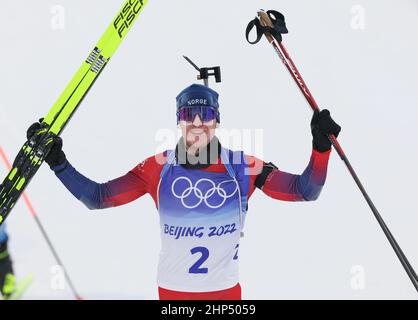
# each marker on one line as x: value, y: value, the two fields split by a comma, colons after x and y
x: 322, y: 125
x: 56, y: 156
x: 34, y: 128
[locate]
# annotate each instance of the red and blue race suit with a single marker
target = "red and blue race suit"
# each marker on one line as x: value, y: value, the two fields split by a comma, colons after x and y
x: 202, y: 211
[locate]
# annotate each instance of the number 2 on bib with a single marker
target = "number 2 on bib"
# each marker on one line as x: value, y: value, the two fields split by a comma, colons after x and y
x: 196, y: 268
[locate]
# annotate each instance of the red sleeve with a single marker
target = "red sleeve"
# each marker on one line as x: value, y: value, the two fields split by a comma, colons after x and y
x: 254, y: 168
x: 148, y: 173
x: 304, y: 187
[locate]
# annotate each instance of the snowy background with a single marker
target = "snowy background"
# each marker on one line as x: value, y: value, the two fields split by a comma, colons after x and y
x: 359, y: 59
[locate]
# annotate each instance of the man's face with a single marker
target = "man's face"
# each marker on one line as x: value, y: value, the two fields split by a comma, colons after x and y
x: 196, y: 133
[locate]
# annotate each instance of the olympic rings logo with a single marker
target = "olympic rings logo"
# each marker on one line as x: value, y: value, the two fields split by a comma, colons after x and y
x: 198, y: 193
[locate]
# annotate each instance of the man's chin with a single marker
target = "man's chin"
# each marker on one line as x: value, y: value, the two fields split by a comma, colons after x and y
x: 197, y: 142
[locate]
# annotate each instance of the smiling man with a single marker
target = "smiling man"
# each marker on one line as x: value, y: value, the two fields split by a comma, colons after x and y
x: 201, y: 191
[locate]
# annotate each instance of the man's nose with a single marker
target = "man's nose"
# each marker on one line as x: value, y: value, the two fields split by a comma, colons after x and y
x: 197, y: 122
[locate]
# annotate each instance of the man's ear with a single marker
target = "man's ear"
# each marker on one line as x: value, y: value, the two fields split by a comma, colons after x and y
x: 217, y: 125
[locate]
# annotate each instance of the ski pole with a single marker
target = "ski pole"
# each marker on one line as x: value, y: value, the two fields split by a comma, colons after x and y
x: 43, y: 232
x: 272, y: 25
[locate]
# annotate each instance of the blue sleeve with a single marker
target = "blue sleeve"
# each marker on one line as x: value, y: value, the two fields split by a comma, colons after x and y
x: 100, y: 195
x: 305, y: 187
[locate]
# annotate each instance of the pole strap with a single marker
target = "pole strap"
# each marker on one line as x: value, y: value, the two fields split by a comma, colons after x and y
x: 279, y: 27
